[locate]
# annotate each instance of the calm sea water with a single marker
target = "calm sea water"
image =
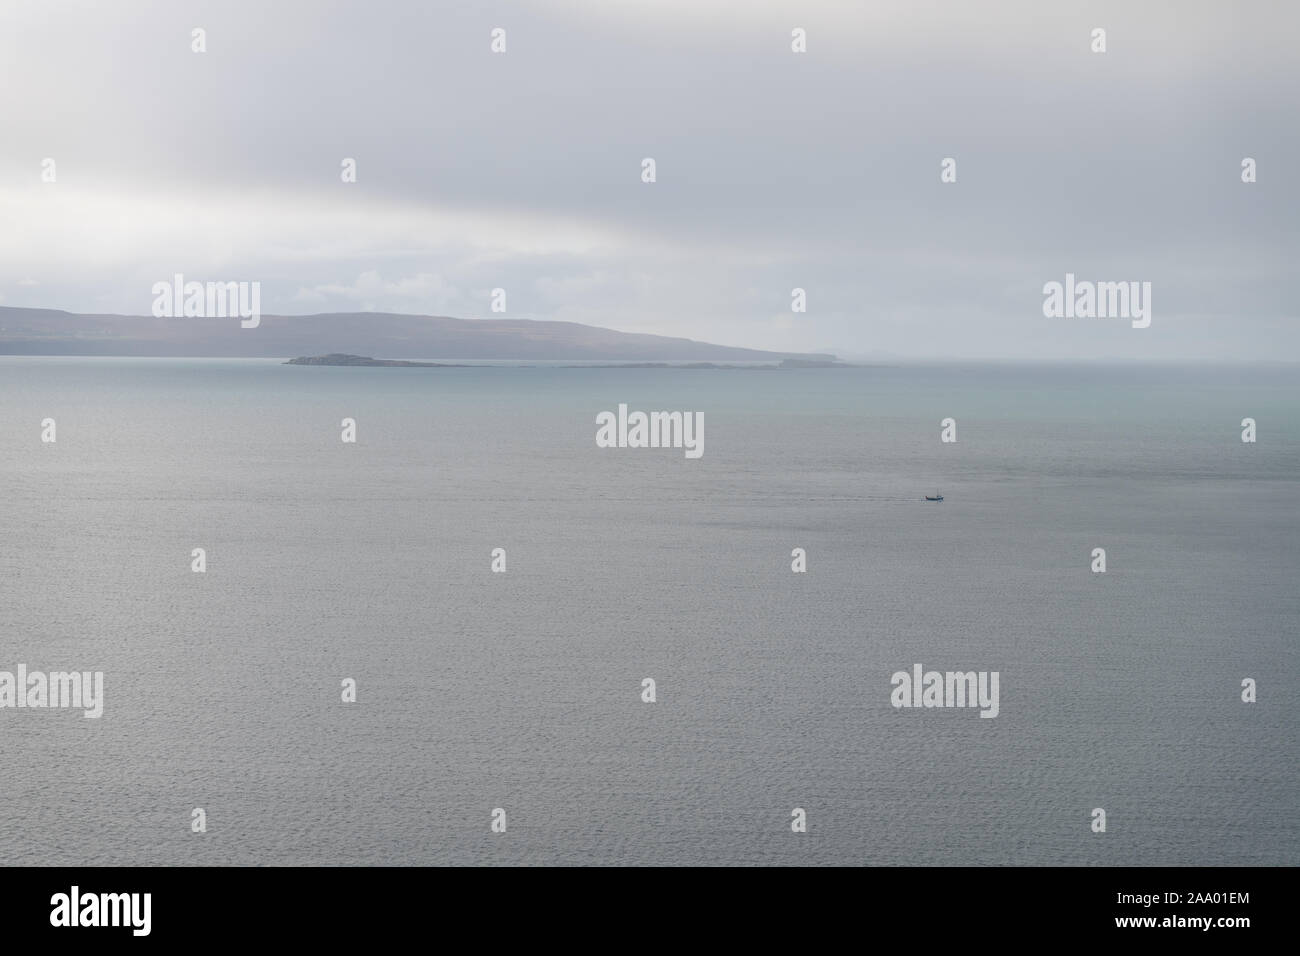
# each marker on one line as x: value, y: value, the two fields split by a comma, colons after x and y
x: 522, y: 690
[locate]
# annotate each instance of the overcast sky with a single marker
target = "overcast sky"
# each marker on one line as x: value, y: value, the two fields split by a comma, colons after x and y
x: 775, y: 170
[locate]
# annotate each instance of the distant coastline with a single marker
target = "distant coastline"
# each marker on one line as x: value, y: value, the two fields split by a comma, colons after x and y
x: 406, y: 338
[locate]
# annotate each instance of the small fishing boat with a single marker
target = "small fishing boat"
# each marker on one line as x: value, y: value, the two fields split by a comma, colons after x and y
x: 934, y: 497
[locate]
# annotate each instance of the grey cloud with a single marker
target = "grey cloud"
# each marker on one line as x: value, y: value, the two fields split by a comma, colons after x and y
x: 775, y: 170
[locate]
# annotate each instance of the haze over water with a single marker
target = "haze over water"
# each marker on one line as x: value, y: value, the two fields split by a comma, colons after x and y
x: 522, y: 690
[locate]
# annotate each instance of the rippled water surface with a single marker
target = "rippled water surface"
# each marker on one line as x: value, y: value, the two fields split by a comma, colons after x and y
x: 522, y: 690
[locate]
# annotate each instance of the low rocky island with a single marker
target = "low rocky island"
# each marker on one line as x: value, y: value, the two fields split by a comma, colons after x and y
x: 338, y: 358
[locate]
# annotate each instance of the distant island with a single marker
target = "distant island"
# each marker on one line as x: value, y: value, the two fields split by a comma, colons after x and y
x: 25, y: 331
x: 343, y: 359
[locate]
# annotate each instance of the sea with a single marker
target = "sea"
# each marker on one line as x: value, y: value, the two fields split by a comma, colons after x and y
x: 519, y: 697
